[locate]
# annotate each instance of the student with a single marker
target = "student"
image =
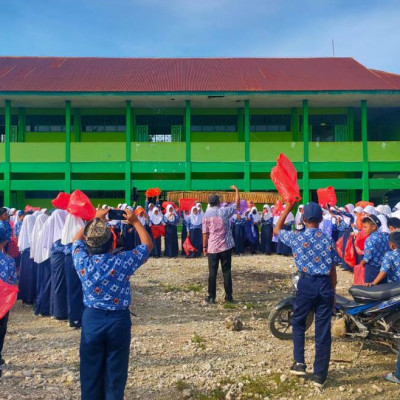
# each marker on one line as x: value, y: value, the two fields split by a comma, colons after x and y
x: 393, y: 224
x: 8, y: 275
x: 156, y: 219
x: 376, y: 245
x: 266, y: 230
x: 316, y: 259
x: 282, y: 248
x: 185, y: 216
x: 254, y: 218
x: 106, y: 323
x: 390, y: 268
x: 299, y: 224
x: 18, y: 223
x: 194, y: 232
x: 238, y: 222
x: 171, y: 220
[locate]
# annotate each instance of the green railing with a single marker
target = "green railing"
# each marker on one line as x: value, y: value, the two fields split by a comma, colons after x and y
x: 37, y: 152
x: 168, y: 152
x: 269, y: 152
x: 217, y: 152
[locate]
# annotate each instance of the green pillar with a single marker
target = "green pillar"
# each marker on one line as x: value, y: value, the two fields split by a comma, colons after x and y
x: 77, y: 125
x: 364, y: 137
x: 240, y: 119
x: 68, y: 146
x: 294, y: 121
x: 350, y: 124
x: 188, y: 138
x: 21, y: 125
x: 7, y: 180
x: 306, y: 167
x: 128, y: 140
x: 247, y: 183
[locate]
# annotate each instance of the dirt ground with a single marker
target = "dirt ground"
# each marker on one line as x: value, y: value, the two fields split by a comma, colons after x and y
x: 181, y: 347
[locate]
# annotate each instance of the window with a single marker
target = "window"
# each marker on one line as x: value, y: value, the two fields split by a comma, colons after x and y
x: 326, y: 128
x: 103, y: 123
x: 45, y: 123
x: 159, y: 128
x: 383, y: 124
x: 214, y: 123
x: 14, y: 122
x: 270, y: 123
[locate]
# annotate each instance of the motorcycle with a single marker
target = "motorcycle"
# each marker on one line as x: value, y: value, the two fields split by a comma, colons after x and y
x: 373, y: 314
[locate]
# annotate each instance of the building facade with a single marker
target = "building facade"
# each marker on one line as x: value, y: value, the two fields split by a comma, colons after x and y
x: 107, y: 125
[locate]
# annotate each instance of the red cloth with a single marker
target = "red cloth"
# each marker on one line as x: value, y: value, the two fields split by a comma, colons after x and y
x: 30, y: 208
x: 278, y: 208
x: 359, y: 242
x: 153, y: 192
x: 188, y: 247
x: 349, y: 253
x: 157, y: 230
x: 8, y: 296
x: 166, y: 203
x: 13, y: 250
x: 61, y: 201
x: 81, y: 206
x: 359, y: 274
x: 284, y: 176
x: 187, y: 204
x: 339, y: 247
x: 364, y: 204
x: 327, y: 196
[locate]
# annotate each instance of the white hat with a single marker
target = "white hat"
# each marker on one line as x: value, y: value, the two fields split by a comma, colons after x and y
x: 370, y: 210
x: 358, y: 209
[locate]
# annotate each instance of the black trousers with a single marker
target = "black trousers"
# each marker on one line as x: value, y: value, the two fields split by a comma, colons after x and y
x: 226, y: 262
x: 3, y: 330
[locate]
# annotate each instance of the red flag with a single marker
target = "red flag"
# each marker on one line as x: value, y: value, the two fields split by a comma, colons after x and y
x: 8, y: 296
x: 327, y: 196
x: 61, y: 201
x: 157, y: 230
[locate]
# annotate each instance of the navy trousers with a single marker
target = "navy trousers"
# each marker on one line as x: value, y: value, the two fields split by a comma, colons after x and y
x: 43, y: 285
x: 196, y: 237
x: 58, y: 307
x: 171, y: 241
x: 104, y: 354
x: 3, y: 330
x: 371, y: 272
x: 74, y: 293
x: 27, y: 278
x: 266, y: 239
x: 314, y: 292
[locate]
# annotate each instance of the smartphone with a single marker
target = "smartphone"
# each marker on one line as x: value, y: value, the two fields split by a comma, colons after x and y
x: 116, y: 214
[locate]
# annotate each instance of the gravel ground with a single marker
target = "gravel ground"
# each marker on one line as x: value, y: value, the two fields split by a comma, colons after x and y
x: 181, y: 347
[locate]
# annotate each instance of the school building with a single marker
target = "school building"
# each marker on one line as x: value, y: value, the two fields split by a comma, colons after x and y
x: 106, y: 125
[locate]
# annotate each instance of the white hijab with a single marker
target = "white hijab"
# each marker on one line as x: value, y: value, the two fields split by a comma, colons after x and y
x: 195, y: 219
x: 370, y: 210
x: 256, y: 216
x: 39, y: 222
x: 156, y: 219
x: 42, y: 253
x: 25, y: 236
x: 268, y: 214
x: 298, y: 218
x: 72, y: 225
x: 170, y: 214
x: 384, y: 227
x: 56, y: 222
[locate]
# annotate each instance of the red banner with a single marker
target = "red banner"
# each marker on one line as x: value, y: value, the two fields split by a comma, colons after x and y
x: 8, y: 296
x: 157, y: 230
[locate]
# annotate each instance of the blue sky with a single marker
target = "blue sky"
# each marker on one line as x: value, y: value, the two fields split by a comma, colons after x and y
x: 367, y: 30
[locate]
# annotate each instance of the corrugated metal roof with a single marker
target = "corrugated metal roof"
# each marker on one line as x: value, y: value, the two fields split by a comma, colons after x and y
x: 58, y: 74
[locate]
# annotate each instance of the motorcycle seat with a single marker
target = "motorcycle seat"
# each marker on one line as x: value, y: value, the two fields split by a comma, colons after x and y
x: 363, y: 294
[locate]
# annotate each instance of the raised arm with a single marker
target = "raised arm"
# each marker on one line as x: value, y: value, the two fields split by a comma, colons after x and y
x: 133, y: 220
x: 281, y: 221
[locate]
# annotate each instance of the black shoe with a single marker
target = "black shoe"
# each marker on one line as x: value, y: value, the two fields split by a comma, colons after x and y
x: 2, y: 361
x: 229, y: 299
x: 298, y: 369
x: 319, y: 381
x: 210, y: 300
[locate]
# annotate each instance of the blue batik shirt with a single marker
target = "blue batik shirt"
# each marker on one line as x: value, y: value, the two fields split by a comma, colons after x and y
x: 8, y: 273
x: 57, y: 247
x: 169, y: 222
x: 105, y: 277
x: 314, y: 252
x: 391, y: 265
x: 376, y: 245
x: 17, y: 228
x: 7, y: 228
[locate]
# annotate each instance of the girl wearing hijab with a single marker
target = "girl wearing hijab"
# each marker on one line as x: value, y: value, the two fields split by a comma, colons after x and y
x: 171, y: 220
x: 58, y: 298
x: 156, y: 219
x: 74, y: 288
x: 254, y: 219
x: 266, y: 230
x: 41, y: 257
x: 194, y: 225
x: 27, y: 277
x: 299, y: 224
x: 282, y: 248
x: 185, y: 215
x: 238, y: 222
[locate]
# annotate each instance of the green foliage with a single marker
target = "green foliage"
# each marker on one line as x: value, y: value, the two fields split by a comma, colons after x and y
x: 199, y: 341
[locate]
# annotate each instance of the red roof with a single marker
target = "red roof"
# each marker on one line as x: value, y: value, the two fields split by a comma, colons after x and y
x: 53, y: 74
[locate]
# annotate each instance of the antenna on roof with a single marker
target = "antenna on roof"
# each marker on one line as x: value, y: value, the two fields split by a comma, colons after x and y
x: 333, y: 48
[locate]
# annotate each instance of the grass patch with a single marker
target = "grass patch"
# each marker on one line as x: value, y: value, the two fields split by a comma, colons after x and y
x: 198, y: 341
x: 251, y: 306
x: 181, y: 385
x: 270, y: 386
x: 229, y: 306
x: 217, y: 394
x: 169, y: 287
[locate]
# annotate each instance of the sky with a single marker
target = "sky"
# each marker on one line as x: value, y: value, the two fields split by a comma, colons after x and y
x: 367, y: 30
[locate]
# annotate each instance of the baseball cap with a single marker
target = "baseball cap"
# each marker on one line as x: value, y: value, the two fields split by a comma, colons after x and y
x: 213, y: 199
x: 312, y: 212
x: 374, y: 219
x: 97, y: 233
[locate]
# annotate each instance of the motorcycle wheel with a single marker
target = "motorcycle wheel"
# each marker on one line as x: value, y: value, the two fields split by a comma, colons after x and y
x: 280, y: 322
x: 394, y: 320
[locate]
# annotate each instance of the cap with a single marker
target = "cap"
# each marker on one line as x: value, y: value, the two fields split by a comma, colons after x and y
x: 374, y: 219
x: 213, y: 200
x: 97, y: 233
x: 312, y: 212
